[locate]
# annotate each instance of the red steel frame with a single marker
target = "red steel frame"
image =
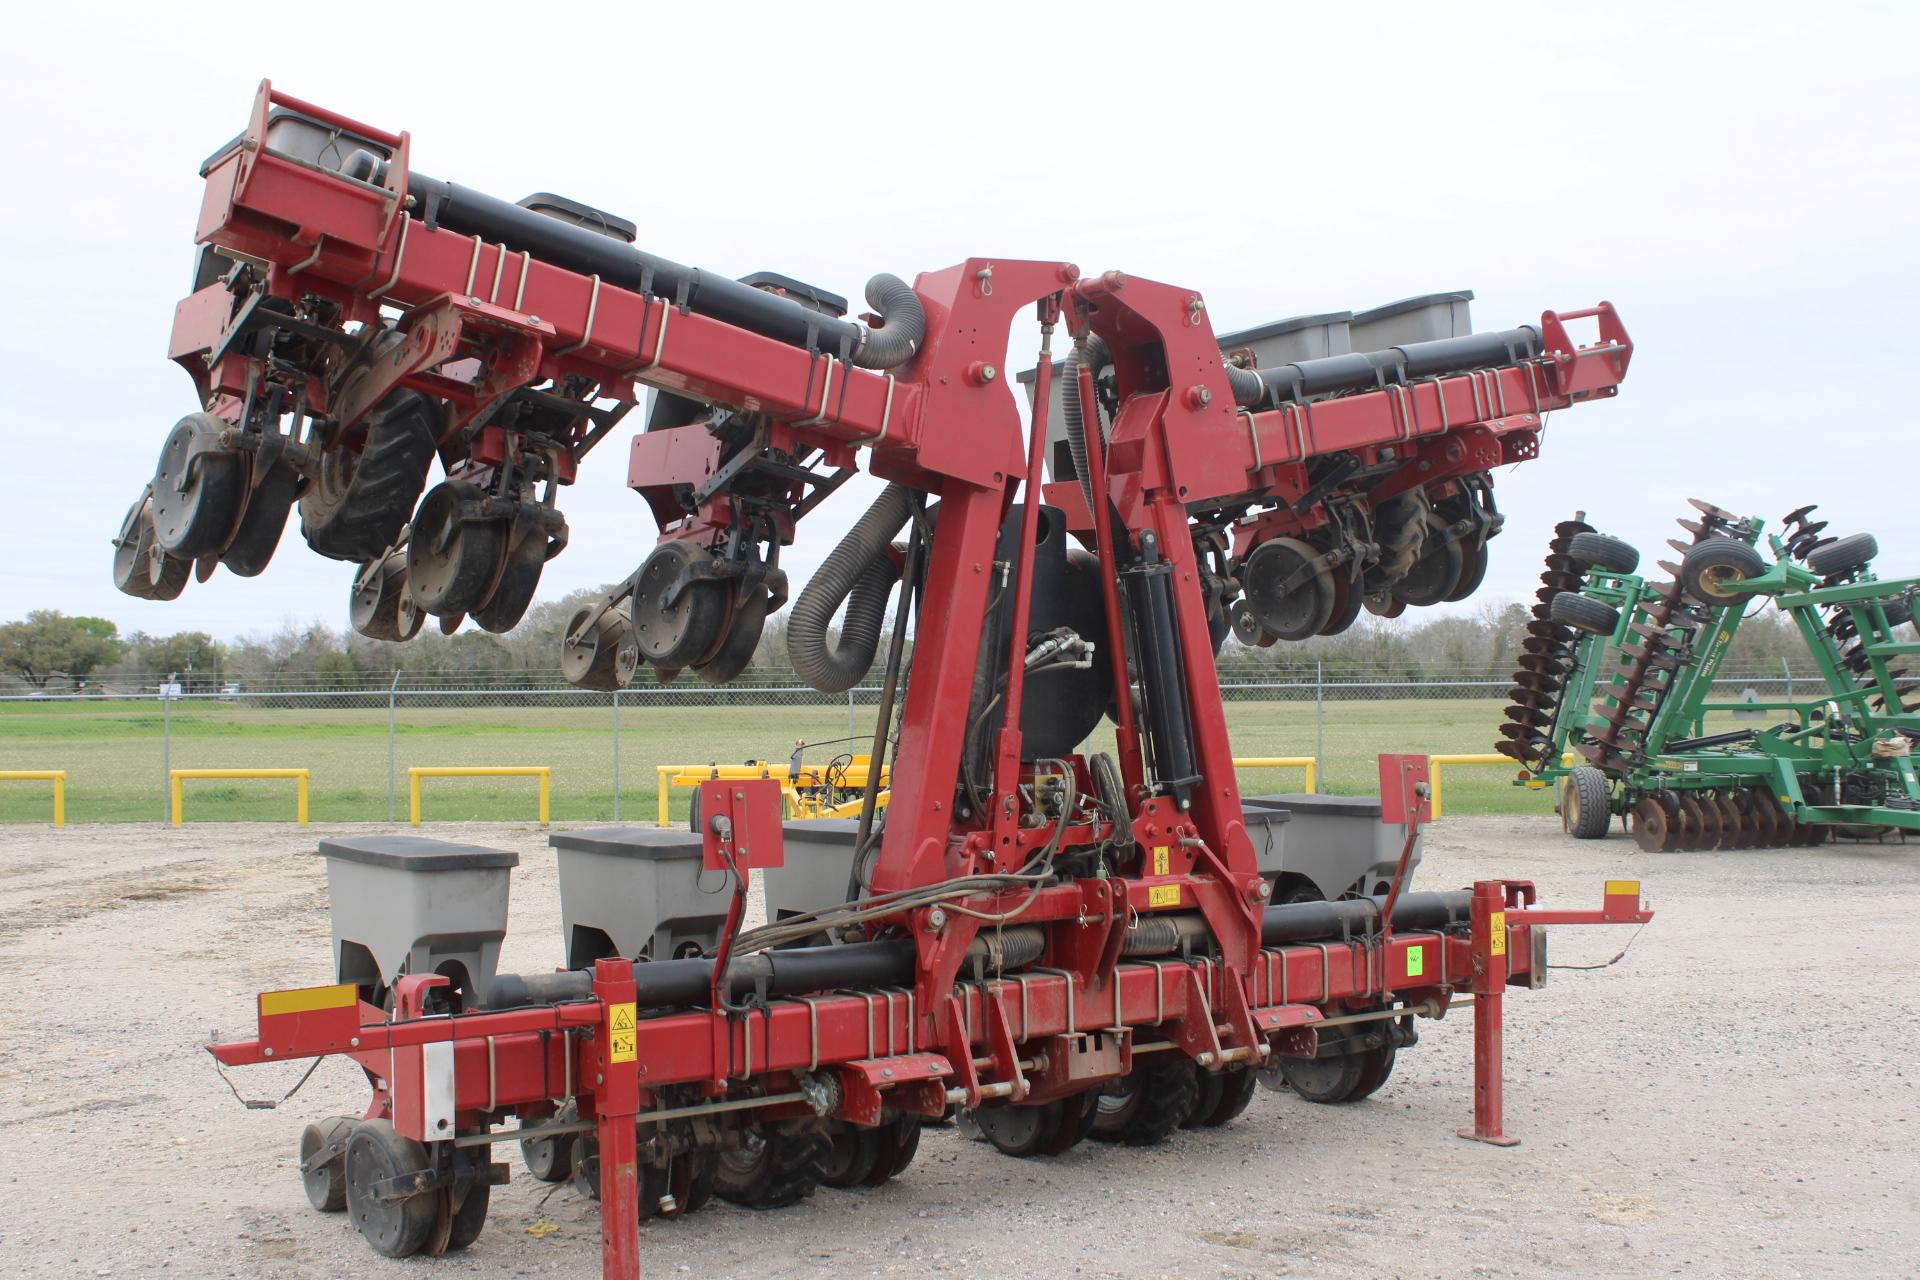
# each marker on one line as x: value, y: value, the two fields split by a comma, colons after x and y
x: 946, y: 424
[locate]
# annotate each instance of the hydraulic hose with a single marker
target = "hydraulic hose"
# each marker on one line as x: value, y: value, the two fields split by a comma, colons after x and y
x: 860, y: 574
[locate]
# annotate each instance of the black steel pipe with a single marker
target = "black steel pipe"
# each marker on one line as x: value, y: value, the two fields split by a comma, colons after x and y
x: 1362, y: 370
x: 563, y: 244
x: 860, y: 965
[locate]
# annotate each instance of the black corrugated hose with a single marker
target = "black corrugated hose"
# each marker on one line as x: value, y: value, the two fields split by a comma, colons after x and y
x: 861, y: 573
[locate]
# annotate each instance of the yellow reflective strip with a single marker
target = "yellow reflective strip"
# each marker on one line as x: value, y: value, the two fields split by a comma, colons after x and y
x: 307, y: 999
x: 1619, y: 888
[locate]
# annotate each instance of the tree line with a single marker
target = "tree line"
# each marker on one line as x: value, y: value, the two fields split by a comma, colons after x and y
x: 52, y: 652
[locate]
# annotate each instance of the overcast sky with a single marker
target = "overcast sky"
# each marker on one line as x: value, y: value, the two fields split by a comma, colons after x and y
x: 1741, y: 181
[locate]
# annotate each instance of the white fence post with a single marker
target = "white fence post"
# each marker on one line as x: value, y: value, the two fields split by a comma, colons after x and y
x: 616, y: 755
x: 1319, y: 722
x: 393, y: 754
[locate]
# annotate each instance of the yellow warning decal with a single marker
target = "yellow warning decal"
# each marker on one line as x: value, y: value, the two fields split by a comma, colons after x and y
x: 308, y: 999
x: 1416, y: 961
x: 1162, y: 860
x: 622, y: 1033
x: 1497, y: 923
x: 1619, y: 888
x: 1163, y: 895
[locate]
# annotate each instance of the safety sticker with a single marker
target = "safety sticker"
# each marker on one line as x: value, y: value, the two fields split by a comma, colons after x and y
x: 622, y: 1034
x: 1162, y: 860
x: 1416, y: 961
x: 1163, y: 895
x: 1497, y: 923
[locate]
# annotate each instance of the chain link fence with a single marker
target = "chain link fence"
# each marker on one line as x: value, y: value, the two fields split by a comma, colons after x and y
x: 358, y: 735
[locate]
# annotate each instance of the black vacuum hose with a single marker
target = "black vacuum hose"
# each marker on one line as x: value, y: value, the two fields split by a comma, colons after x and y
x: 860, y: 573
x: 903, y: 324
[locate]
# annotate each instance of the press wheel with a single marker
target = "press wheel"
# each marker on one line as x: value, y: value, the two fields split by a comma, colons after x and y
x: 1020, y: 1131
x: 851, y: 1157
x: 1347, y: 599
x: 198, y: 487
x: 323, y: 1162
x: 687, y: 630
x: 1435, y: 574
x: 899, y: 1143
x: 1295, y: 614
x: 520, y: 578
x: 452, y: 562
x: 742, y: 639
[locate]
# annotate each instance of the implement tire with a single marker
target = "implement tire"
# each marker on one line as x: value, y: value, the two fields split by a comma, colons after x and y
x: 1598, y: 551
x: 1586, y: 804
x: 356, y: 506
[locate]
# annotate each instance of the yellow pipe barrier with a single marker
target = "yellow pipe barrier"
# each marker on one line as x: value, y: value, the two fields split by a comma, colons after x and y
x: 668, y: 776
x: 1435, y: 766
x: 300, y: 777
x: 58, y: 777
x: 1308, y: 763
x: 540, y: 771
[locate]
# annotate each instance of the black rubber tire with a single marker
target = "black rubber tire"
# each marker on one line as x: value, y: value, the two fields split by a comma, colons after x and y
x: 1076, y: 1121
x: 850, y: 1156
x: 394, y: 1229
x: 1843, y: 555
x: 326, y: 1183
x: 514, y: 592
x: 264, y: 520
x: 358, y: 504
x: 784, y: 1171
x: 1709, y: 567
x: 199, y: 520
x: 451, y: 562
x: 1347, y: 598
x: 1235, y: 1096
x: 1598, y: 551
x: 1586, y: 805
x: 470, y: 1217
x: 1168, y: 1091
x: 1583, y: 613
x: 1473, y: 572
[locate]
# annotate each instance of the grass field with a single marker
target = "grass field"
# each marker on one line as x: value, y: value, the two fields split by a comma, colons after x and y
x: 112, y: 752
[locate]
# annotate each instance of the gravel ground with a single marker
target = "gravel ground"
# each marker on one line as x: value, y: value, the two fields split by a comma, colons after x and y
x: 1713, y: 1105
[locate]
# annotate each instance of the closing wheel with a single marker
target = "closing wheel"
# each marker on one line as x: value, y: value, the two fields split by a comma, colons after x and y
x: 264, y: 521
x: 464, y: 1223
x: 519, y: 579
x: 1347, y: 598
x: 375, y: 1155
x: 381, y: 607
x: 899, y: 1143
x: 1376, y: 1064
x: 198, y: 486
x: 742, y: 638
x: 1212, y: 1087
x: 1435, y: 574
x: 1586, y: 804
x: 850, y: 1157
x: 1324, y: 1080
x: 673, y: 634
x: 1289, y: 614
x: 1238, y: 1084
x: 1076, y: 1122
x: 1020, y: 1131
x: 323, y: 1162
x: 451, y: 561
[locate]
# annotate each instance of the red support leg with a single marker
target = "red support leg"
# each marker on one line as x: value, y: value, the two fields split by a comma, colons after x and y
x: 1489, y: 1040
x: 616, y: 1098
